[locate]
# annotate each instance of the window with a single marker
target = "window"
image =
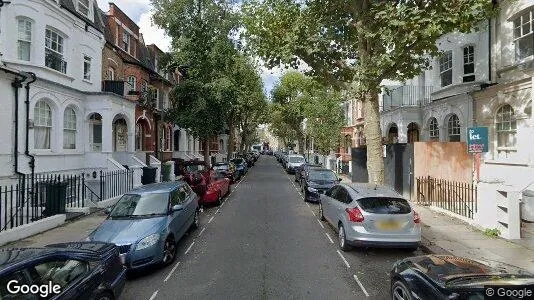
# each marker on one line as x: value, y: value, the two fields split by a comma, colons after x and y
x: 54, y: 48
x: 523, y: 37
x: 61, y: 272
x: 42, y: 125
x: 83, y: 7
x: 95, y: 127
x: 505, y: 127
x: 126, y: 41
x: 433, y: 128
x: 168, y: 139
x: 86, y: 68
x: 161, y: 136
x: 69, y: 128
x: 139, y: 137
x: 24, y: 39
x: 132, y: 81
x: 110, y: 74
x: 144, y: 86
x: 177, y: 140
x: 445, y: 68
x: 21, y: 276
x: 454, y: 128
x: 469, y: 64
x: 155, y: 94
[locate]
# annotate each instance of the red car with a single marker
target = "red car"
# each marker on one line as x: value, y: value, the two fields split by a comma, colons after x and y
x: 217, y: 186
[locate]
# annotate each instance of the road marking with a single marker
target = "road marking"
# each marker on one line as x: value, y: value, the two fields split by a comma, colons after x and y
x: 343, y: 258
x: 211, y: 219
x: 313, y: 213
x: 153, y: 295
x: 220, y: 206
x: 308, y: 205
x: 361, y: 286
x: 217, y: 211
x: 328, y: 236
x: 201, y: 231
x: 187, y: 251
x: 168, y: 276
x: 320, y: 223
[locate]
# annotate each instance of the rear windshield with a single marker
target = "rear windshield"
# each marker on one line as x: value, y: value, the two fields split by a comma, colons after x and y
x: 220, y: 167
x: 385, y: 205
x: 296, y: 159
x: 237, y: 160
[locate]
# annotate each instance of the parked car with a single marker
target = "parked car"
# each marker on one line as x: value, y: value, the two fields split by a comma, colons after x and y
x: 228, y: 169
x: 302, y: 170
x: 83, y: 270
x: 241, y: 165
x: 316, y: 182
x: 453, y: 277
x: 147, y: 222
x: 256, y: 154
x: 293, y: 162
x: 217, y: 187
x: 248, y: 158
x: 370, y: 216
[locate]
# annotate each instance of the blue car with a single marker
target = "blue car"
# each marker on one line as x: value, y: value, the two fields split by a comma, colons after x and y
x: 147, y: 222
x: 76, y: 270
x: 241, y: 165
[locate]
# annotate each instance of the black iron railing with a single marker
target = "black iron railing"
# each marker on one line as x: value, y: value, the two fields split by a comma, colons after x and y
x: 457, y: 197
x: 112, y: 86
x: 406, y: 95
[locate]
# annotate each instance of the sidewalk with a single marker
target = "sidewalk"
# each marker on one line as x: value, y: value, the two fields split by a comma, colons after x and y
x: 75, y: 230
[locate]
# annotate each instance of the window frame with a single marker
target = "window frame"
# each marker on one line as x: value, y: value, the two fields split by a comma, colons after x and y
x: 469, y: 59
x: 451, y: 126
x: 110, y: 71
x: 132, y: 87
x: 84, y: 6
x: 126, y: 40
x: 433, y: 128
x: 48, y: 123
x: 155, y: 97
x: 87, y: 72
x: 60, y: 42
x: 518, y: 23
x: 70, y: 127
x: 512, y: 123
x: 445, y: 67
x: 25, y: 39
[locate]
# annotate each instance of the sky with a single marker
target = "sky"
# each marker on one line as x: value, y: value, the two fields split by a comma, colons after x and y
x: 140, y: 12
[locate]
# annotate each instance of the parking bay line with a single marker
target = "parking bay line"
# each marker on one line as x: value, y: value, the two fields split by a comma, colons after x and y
x: 187, y: 251
x: 153, y: 295
x: 201, y: 231
x: 343, y: 258
x: 328, y: 236
x: 167, y: 278
x: 361, y: 286
x: 320, y: 223
x: 211, y: 219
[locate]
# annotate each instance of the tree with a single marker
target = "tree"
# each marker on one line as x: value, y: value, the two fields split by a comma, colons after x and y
x: 357, y: 44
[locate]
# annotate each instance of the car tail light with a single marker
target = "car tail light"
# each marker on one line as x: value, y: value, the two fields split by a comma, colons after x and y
x: 416, y: 218
x: 355, y: 215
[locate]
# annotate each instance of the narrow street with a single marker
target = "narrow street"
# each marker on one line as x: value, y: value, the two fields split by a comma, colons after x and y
x: 265, y: 242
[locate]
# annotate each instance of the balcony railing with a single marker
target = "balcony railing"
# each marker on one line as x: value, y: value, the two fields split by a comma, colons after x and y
x: 55, y: 61
x: 116, y: 87
x: 406, y: 95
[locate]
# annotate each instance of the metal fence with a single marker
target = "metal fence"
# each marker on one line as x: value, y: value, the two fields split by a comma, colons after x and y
x: 406, y: 95
x: 43, y: 195
x: 457, y: 197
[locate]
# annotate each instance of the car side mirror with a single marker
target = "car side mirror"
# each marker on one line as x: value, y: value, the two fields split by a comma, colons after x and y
x: 339, y: 179
x: 177, y: 207
x: 107, y: 211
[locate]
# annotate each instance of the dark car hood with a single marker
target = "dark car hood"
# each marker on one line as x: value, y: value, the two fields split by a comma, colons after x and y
x: 447, y: 270
x: 127, y: 231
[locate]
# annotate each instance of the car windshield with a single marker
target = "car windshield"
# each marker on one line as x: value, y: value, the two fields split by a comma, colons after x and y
x: 194, y: 168
x: 237, y: 160
x: 220, y: 167
x: 141, y: 205
x: 322, y: 175
x: 296, y: 159
x: 384, y: 205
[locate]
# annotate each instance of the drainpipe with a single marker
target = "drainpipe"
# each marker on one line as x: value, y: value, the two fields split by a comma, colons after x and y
x: 17, y: 84
x: 27, y: 103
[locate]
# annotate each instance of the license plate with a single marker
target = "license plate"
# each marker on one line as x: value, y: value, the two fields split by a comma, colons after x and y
x: 388, y: 225
x: 123, y: 258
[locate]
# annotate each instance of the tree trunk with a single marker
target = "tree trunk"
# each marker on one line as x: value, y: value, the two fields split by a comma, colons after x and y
x: 231, y: 138
x: 206, y: 145
x: 373, y: 134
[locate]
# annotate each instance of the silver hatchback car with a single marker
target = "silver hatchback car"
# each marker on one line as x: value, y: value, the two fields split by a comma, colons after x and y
x: 370, y: 216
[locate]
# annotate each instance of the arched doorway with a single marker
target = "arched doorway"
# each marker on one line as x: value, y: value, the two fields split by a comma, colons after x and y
x: 120, y: 135
x: 413, y: 132
x: 393, y: 134
x: 95, y: 132
x: 347, y: 143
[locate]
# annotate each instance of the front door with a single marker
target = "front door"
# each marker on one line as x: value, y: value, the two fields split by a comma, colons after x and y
x: 121, y: 136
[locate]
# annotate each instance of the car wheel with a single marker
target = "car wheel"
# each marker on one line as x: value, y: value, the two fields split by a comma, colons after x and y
x: 229, y: 190
x: 104, y: 296
x: 169, y: 251
x: 342, y: 239
x: 321, y: 214
x: 399, y: 291
x: 219, y: 199
x: 196, y: 220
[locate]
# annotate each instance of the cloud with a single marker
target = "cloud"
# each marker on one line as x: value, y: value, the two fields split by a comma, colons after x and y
x: 132, y: 8
x: 152, y: 34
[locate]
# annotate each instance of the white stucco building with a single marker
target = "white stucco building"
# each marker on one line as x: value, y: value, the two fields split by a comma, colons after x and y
x: 437, y: 105
x: 73, y: 126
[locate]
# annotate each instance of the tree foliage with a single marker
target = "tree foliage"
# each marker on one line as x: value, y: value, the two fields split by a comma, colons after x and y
x: 357, y: 44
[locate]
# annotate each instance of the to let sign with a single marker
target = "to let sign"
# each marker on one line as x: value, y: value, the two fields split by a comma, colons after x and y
x: 477, y: 139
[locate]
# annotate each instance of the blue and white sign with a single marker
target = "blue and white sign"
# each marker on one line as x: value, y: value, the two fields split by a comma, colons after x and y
x: 477, y: 139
